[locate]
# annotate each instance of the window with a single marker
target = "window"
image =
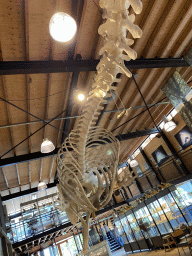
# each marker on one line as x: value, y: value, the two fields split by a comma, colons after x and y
x: 34, y: 196
x: 145, y: 143
x: 138, y: 170
x: 136, y: 153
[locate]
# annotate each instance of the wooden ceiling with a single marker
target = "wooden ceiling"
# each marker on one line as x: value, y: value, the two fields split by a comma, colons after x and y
x: 167, y: 32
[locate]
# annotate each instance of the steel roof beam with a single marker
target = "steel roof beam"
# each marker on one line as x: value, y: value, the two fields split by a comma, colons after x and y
x: 58, y: 66
x: 38, y: 155
x: 25, y: 192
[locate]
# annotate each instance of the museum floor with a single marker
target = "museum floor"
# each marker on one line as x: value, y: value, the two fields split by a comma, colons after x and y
x: 182, y: 252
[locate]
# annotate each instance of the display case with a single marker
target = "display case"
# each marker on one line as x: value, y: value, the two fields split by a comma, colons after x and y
x: 159, y: 215
x: 183, y: 198
x: 121, y: 228
x: 159, y: 218
x: 128, y: 230
x: 172, y: 211
x: 146, y: 223
x: 135, y: 227
x: 35, y: 216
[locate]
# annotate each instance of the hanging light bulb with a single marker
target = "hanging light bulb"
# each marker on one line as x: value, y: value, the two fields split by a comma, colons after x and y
x: 81, y: 97
x: 42, y: 185
x: 62, y: 27
x: 169, y: 125
x: 47, y: 146
x: 133, y: 162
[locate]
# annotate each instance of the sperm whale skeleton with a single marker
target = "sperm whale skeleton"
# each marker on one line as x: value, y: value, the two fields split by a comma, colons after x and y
x: 87, y: 160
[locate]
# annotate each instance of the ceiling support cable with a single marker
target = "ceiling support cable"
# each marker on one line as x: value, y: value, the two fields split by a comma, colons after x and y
x: 137, y: 115
x: 145, y: 103
x: 31, y: 114
x: 136, y: 107
x: 71, y: 117
x: 33, y: 133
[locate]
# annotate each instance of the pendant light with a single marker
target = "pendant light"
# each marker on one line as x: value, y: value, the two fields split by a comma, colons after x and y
x: 81, y: 97
x: 47, y: 146
x: 42, y: 185
x: 169, y: 125
x: 62, y: 27
x: 133, y: 162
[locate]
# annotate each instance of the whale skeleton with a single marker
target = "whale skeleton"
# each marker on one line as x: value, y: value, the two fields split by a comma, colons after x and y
x: 86, y: 164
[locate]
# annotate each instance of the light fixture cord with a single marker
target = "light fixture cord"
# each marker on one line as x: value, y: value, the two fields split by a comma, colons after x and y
x: 145, y: 102
x: 138, y: 115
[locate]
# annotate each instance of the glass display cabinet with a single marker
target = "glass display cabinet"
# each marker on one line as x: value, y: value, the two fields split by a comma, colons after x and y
x: 128, y: 230
x: 159, y: 215
x: 146, y: 223
x: 172, y: 211
x: 121, y: 228
x: 135, y: 227
x: 36, y: 216
x: 159, y: 218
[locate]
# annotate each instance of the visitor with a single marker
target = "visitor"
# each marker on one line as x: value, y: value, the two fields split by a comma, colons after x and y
x: 106, y: 229
x: 118, y: 239
x: 103, y: 233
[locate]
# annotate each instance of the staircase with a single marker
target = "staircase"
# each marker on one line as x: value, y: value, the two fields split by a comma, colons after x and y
x: 112, y: 243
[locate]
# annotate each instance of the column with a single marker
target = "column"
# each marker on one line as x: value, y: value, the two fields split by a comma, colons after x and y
x: 130, y: 191
x: 136, y: 182
x: 114, y: 199
x: 59, y: 249
x: 174, y: 152
x: 138, y: 186
x: 42, y: 253
x: 4, y: 246
x: 9, y: 247
x: 1, y: 248
x: 2, y: 216
x: 188, y: 57
x: 125, y: 193
x: 150, y: 165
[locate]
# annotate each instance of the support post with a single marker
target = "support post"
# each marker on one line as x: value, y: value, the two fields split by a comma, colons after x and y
x: 188, y: 57
x: 59, y: 249
x: 4, y: 246
x: 114, y: 199
x: 42, y: 253
x: 130, y: 191
x: 125, y: 193
x: 139, y: 186
x: 174, y: 152
x: 148, y: 180
x: 150, y: 165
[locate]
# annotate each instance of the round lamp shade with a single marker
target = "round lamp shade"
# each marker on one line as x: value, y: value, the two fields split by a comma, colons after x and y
x: 81, y: 97
x: 169, y: 126
x: 133, y: 163
x: 42, y: 185
x: 47, y: 146
x: 62, y: 27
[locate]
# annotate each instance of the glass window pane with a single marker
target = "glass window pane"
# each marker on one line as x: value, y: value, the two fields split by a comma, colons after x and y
x: 159, y: 218
x: 183, y: 197
x: 128, y: 230
x: 146, y: 222
x: 134, y: 227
